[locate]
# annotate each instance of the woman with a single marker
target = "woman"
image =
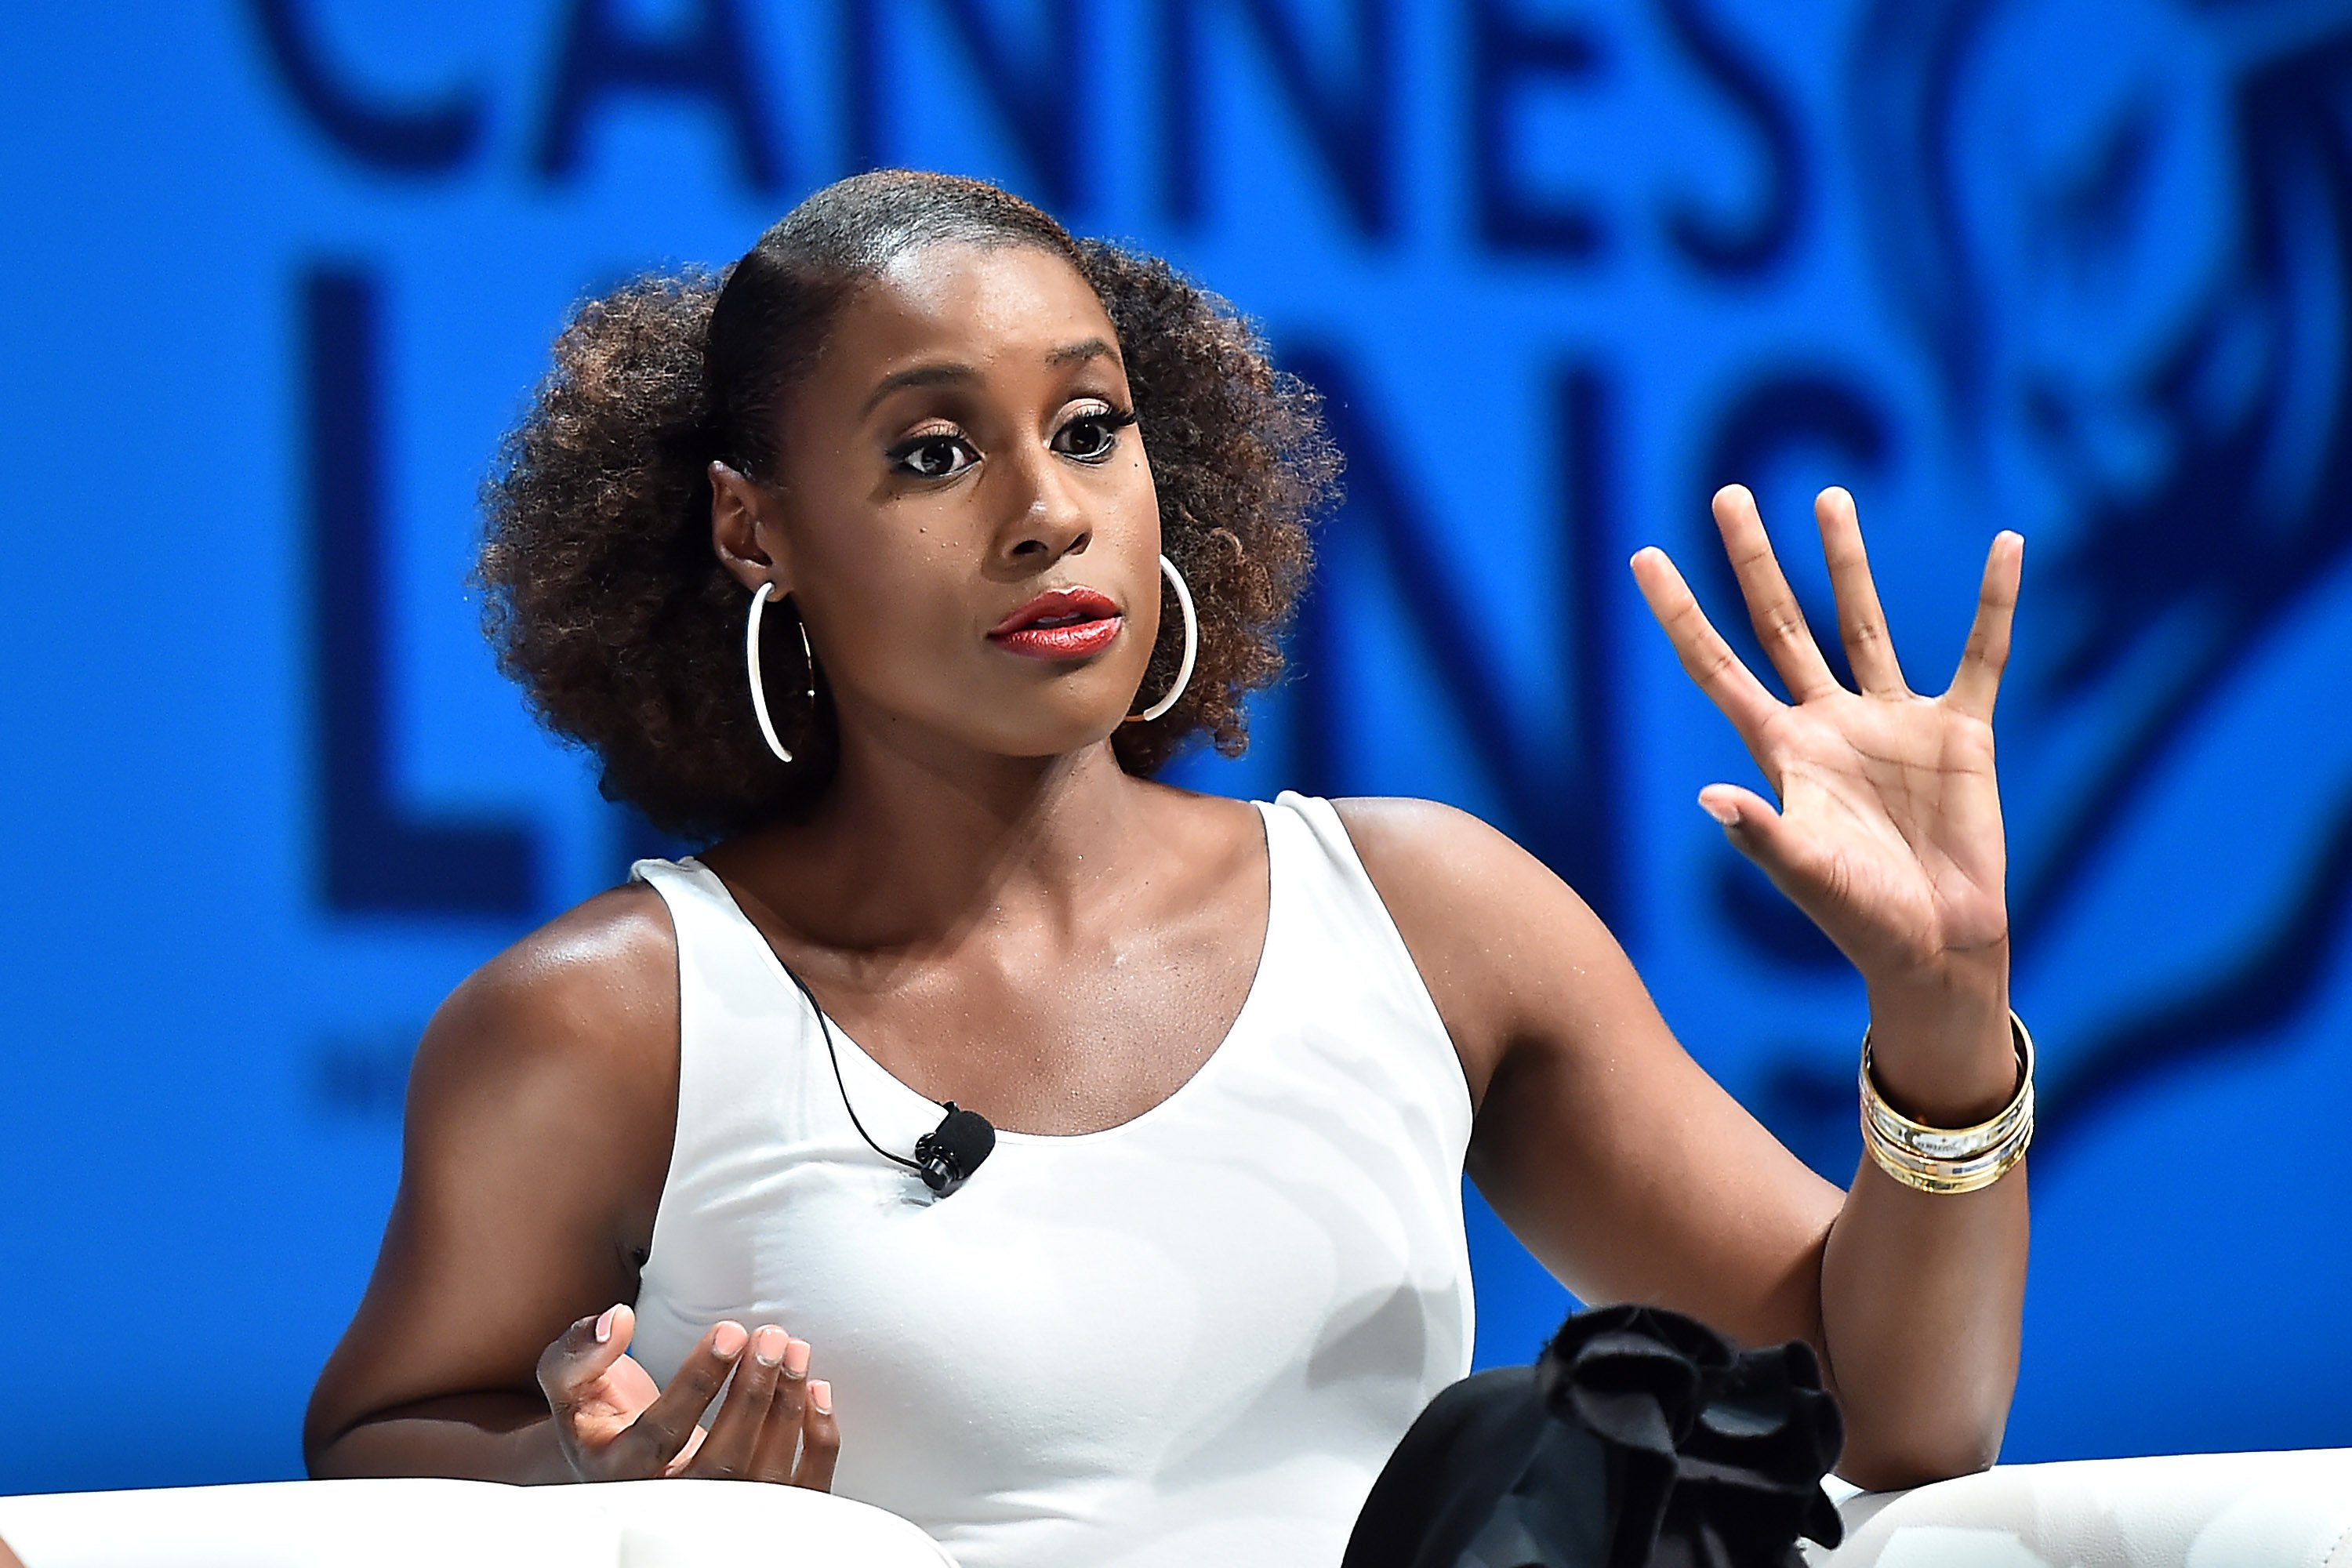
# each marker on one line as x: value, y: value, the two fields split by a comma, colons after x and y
x: 1214, y: 1265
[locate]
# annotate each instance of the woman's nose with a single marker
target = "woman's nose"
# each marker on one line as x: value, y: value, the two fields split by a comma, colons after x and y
x: 1051, y: 522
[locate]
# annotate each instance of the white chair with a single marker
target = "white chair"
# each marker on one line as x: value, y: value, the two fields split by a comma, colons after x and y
x: 2195, y: 1510
x: 461, y: 1524
x: 2190, y: 1510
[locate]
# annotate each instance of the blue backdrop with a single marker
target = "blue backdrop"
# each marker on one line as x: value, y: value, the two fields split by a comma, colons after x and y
x: 278, y: 273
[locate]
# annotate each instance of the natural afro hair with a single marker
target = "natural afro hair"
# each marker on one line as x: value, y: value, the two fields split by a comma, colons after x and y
x: 607, y: 602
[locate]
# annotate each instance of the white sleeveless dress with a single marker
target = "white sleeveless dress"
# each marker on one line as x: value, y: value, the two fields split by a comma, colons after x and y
x: 1191, y: 1339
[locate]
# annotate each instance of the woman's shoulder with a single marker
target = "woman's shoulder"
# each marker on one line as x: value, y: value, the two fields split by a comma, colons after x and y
x: 1432, y: 850
x: 1498, y: 938
x: 587, y: 1003
x: 1441, y: 868
x: 577, y: 969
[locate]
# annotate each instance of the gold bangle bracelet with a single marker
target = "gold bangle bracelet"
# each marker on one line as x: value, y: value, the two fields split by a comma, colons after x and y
x: 1895, y: 1159
x: 1953, y: 1143
x: 1942, y: 1186
x: 1945, y: 1160
x: 1964, y: 1144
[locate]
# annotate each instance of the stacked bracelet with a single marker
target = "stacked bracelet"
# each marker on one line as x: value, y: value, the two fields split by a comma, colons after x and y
x: 1951, y: 1159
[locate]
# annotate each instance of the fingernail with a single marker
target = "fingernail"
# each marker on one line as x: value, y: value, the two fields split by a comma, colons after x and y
x: 727, y: 1340
x: 604, y: 1325
x: 768, y: 1346
x: 821, y: 1397
x: 796, y: 1354
x: 1719, y: 811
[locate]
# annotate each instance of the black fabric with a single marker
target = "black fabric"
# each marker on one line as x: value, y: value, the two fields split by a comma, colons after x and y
x: 1641, y: 1439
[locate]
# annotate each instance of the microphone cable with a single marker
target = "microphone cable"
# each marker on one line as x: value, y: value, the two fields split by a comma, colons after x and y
x: 945, y: 1157
x: 824, y: 1027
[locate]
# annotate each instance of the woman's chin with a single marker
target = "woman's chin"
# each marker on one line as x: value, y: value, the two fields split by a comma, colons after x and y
x: 1059, y: 720
x: 1071, y: 740
x: 1035, y: 733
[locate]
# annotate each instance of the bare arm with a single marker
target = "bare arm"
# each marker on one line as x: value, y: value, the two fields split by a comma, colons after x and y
x: 1625, y: 1169
x: 492, y: 1340
x: 538, y: 1130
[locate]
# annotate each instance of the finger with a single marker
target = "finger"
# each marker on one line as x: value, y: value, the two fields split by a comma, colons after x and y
x: 1862, y: 624
x: 820, y: 1440
x: 660, y: 1433
x: 1706, y: 657
x: 582, y: 1353
x: 1756, y: 831
x: 685, y: 1455
x: 1772, y: 607
x: 1977, y: 682
x: 780, y: 1438
x: 727, y: 1454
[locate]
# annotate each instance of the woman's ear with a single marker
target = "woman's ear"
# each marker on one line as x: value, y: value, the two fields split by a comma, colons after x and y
x: 738, y: 532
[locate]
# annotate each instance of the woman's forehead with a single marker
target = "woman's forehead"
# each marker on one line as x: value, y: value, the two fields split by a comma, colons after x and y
x: 978, y: 305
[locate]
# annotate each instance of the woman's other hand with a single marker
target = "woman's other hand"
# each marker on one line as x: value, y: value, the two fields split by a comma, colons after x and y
x: 1888, y: 833
x: 612, y: 1423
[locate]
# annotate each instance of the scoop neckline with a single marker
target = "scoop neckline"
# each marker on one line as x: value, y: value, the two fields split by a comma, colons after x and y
x: 1252, y: 1003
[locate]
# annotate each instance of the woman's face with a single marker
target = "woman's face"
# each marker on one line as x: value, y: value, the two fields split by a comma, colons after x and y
x: 968, y: 522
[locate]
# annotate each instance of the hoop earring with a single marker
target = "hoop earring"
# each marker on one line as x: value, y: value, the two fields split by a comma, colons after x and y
x: 759, y: 689
x: 1192, y: 645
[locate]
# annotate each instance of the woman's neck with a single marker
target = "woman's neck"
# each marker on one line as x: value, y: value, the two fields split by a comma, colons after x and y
x: 910, y: 848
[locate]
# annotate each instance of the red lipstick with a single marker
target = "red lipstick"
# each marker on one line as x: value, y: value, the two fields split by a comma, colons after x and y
x: 1066, y: 623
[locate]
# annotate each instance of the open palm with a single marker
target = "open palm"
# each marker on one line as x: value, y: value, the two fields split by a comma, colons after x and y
x: 1888, y: 833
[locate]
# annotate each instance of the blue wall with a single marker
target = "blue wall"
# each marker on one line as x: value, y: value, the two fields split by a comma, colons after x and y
x: 278, y: 272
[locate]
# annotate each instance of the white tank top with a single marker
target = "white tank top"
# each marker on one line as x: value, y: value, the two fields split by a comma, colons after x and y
x: 1193, y: 1338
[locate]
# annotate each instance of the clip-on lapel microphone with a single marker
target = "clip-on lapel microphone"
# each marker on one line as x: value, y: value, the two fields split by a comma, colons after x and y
x: 947, y: 1155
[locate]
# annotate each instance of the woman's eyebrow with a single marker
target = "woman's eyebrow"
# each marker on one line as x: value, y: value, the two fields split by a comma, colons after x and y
x: 1074, y: 354
x: 940, y: 374
x: 950, y: 372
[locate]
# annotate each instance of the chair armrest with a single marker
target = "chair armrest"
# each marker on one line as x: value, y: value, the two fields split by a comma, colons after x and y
x: 400, y: 1523
x: 2186, y: 1510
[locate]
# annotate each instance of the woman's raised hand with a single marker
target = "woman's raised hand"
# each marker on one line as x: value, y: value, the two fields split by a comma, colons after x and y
x: 614, y: 1423
x: 1888, y: 833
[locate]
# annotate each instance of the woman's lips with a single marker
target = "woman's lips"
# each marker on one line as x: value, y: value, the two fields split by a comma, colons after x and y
x: 1074, y: 641
x: 1067, y: 622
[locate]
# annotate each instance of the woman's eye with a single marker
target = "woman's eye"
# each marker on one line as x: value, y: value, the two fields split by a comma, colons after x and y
x: 1091, y: 437
x: 934, y: 457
